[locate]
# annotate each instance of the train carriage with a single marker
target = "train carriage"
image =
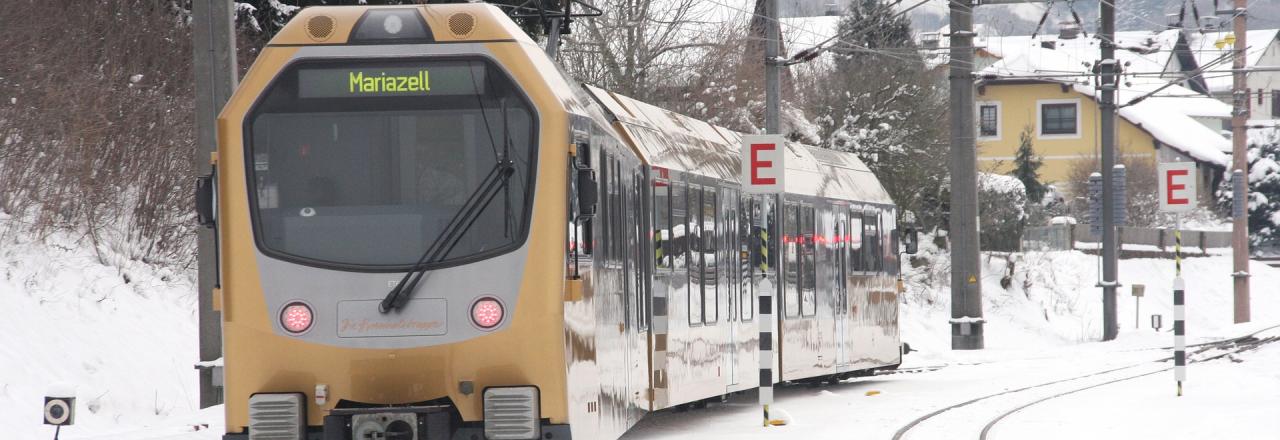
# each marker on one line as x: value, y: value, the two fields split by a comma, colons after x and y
x: 393, y: 186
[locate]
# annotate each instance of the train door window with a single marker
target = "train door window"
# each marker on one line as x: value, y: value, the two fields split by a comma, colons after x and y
x: 791, y: 237
x: 871, y: 240
x: 746, y: 218
x: 693, y: 234
x: 841, y: 268
x: 661, y: 223
x: 635, y: 236
x: 624, y: 220
x: 855, y: 238
x: 727, y: 247
x: 707, y: 238
x: 678, y: 243
x: 890, y: 240
x: 808, y: 267
x: 730, y: 272
x: 605, y: 212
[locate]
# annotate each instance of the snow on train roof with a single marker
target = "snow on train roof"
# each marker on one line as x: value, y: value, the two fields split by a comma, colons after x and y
x: 671, y: 140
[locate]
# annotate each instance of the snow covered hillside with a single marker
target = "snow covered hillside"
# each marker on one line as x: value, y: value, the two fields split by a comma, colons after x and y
x: 124, y: 333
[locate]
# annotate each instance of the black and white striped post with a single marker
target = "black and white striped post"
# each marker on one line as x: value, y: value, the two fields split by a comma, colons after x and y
x: 763, y: 172
x: 766, y: 351
x: 1179, y: 312
x: 1177, y: 182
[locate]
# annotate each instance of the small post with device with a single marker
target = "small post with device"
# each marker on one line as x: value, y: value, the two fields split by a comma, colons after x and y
x: 1138, y: 291
x: 60, y: 407
x: 763, y: 172
x: 1177, y: 189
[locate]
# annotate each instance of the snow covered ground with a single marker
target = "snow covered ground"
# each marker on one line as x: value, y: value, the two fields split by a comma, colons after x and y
x: 124, y: 333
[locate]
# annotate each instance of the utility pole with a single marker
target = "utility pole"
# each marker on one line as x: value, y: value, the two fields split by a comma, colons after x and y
x: 213, y: 38
x: 966, y: 276
x: 1240, y: 161
x: 1110, y: 258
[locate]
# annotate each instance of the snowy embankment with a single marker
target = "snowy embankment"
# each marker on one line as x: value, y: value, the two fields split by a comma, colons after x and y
x: 122, y: 332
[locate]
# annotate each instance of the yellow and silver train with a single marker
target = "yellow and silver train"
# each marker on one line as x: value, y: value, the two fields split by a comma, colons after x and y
x: 393, y: 186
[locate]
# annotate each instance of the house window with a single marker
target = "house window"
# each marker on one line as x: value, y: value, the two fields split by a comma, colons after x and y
x: 1275, y: 103
x: 1058, y: 118
x: 988, y: 120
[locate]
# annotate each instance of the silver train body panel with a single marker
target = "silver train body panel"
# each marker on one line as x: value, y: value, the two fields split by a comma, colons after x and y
x: 655, y: 329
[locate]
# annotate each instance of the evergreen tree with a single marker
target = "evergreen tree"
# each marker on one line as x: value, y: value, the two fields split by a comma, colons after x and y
x: 1027, y: 167
x: 880, y: 102
x: 1264, y: 188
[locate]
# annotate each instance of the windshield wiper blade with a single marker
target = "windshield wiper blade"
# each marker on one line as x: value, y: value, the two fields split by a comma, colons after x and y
x: 452, y: 233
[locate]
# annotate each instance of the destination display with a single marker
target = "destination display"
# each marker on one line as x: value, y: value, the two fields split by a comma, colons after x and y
x: 428, y: 79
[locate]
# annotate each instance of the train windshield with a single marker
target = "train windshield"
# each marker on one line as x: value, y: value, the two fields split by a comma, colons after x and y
x: 362, y: 165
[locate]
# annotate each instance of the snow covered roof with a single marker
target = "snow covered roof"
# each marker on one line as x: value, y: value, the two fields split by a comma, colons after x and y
x: 674, y: 141
x: 1167, y: 115
x: 1202, y: 46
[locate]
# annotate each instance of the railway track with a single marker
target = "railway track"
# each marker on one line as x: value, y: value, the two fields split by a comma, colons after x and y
x: 1092, y: 380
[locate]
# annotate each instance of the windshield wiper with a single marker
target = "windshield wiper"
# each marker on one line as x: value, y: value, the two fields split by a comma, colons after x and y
x: 453, y: 232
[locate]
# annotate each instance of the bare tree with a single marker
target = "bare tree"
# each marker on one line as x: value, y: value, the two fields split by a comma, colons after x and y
x: 641, y: 48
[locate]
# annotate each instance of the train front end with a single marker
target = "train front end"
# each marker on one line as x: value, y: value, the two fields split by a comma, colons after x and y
x: 364, y: 144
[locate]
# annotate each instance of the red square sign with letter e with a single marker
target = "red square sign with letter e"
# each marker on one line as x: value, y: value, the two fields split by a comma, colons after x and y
x: 1177, y: 186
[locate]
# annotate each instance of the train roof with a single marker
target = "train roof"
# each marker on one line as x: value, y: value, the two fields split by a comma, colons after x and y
x: 674, y: 141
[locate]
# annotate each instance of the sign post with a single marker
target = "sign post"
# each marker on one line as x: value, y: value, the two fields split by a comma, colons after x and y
x: 1177, y: 189
x: 1138, y: 291
x: 764, y: 172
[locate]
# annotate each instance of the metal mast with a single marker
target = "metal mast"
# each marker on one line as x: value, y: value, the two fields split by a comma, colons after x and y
x: 966, y: 270
x: 213, y: 38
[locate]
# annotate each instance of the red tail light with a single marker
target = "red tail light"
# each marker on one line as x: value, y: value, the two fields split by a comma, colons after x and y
x: 487, y: 313
x: 296, y: 317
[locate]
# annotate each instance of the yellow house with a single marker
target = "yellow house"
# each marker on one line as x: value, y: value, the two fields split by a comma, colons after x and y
x: 1047, y: 90
x: 1063, y: 119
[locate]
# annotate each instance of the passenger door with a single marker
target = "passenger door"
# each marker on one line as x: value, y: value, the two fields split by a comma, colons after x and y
x: 841, y: 291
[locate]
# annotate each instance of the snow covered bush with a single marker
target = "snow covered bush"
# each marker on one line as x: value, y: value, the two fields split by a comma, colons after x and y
x: 96, y: 124
x: 1002, y: 212
x: 1264, y: 187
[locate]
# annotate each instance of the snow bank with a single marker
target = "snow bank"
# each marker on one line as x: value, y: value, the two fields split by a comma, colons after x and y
x: 120, y: 337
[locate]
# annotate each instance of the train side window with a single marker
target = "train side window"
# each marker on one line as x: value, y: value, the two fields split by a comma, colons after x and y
x: 855, y: 238
x: 808, y: 267
x: 792, y: 239
x: 708, y: 239
x: 661, y: 223
x: 746, y: 215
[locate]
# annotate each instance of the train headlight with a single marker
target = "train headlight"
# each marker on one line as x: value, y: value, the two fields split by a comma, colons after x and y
x: 397, y: 25
x: 296, y: 317
x: 487, y: 313
x: 512, y: 413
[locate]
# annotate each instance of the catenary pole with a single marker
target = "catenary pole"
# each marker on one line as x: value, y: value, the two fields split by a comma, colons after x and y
x: 213, y: 38
x: 1240, y: 161
x: 1107, y: 68
x: 966, y: 276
